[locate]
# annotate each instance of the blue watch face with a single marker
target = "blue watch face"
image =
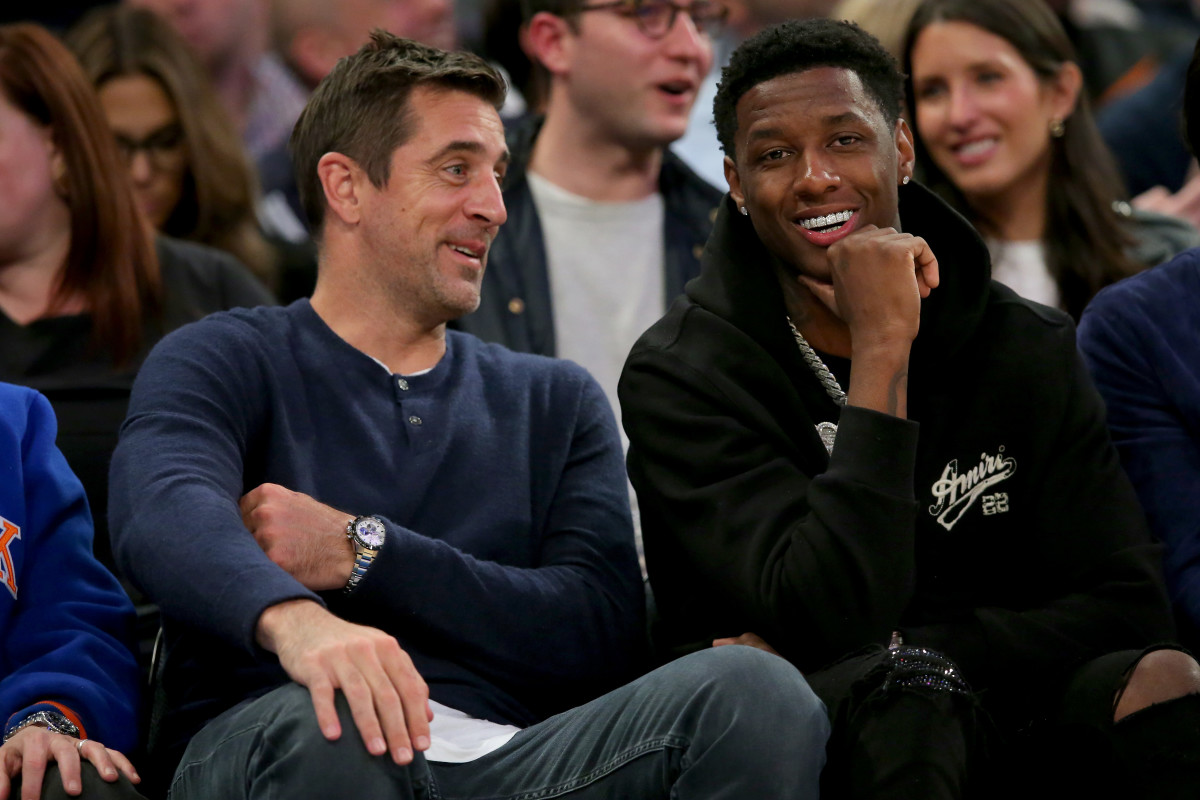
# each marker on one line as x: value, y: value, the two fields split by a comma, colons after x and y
x: 370, y: 532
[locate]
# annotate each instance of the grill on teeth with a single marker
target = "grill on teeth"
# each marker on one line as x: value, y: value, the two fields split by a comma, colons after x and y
x: 836, y: 218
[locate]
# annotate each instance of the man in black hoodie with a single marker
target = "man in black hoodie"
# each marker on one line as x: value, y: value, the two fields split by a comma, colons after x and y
x: 958, y: 505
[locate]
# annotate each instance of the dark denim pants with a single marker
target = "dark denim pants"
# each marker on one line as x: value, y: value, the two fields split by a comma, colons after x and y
x: 730, y: 722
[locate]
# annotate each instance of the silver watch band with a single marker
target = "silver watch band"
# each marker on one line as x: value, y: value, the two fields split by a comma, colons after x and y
x: 367, y: 534
x: 362, y: 561
x: 51, y: 720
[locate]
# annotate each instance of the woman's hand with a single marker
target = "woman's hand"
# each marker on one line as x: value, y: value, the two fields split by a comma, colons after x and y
x: 31, y: 749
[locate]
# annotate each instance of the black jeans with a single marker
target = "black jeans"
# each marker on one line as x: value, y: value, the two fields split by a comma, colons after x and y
x: 932, y: 740
x: 902, y: 728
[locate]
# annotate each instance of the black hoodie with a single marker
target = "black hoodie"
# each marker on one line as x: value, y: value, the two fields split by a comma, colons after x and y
x: 994, y: 524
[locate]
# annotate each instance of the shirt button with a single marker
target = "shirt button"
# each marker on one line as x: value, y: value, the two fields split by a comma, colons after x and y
x: 516, y: 305
x: 414, y: 420
x: 403, y: 384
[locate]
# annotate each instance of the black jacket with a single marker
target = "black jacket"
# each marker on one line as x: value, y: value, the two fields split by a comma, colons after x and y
x: 749, y: 526
x: 515, y: 307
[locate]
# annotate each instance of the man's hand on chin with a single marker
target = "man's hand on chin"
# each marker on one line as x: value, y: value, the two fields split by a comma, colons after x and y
x: 388, y: 698
x: 880, y: 277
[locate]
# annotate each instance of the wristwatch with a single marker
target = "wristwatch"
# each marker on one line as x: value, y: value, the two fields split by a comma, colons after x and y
x: 367, y: 535
x: 50, y: 720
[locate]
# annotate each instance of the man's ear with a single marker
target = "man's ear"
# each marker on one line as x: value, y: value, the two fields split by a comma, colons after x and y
x: 906, y: 154
x: 735, y: 183
x: 342, y: 181
x: 549, y: 40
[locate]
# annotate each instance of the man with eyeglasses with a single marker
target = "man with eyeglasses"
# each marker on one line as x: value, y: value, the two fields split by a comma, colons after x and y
x: 605, y: 224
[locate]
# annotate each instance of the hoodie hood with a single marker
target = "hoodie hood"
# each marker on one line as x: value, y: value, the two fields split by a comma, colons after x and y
x: 737, y: 280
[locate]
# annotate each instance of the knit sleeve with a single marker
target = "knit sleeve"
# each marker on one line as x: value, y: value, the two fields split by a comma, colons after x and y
x: 177, y: 476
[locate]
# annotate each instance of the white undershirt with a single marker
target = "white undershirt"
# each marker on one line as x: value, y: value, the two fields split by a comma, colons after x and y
x: 456, y: 738
x: 607, y: 284
x: 1021, y: 266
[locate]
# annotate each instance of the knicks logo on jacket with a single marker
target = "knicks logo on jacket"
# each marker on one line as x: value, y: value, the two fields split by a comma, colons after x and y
x: 8, y: 573
x: 954, y: 493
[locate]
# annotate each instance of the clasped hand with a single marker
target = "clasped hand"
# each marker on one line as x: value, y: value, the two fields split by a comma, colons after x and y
x: 305, y: 537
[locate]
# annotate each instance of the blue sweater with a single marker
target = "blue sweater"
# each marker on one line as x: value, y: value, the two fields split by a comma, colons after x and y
x: 509, y: 573
x: 65, y: 623
x: 1141, y: 340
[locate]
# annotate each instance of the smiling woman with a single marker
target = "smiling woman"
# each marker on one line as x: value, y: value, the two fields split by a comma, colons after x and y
x: 1004, y: 132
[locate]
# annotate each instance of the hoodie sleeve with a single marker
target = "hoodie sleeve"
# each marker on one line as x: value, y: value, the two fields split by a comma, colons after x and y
x: 66, y: 641
x: 740, y: 538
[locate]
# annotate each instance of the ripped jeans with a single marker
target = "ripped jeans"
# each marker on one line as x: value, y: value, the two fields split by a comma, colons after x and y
x: 907, y: 725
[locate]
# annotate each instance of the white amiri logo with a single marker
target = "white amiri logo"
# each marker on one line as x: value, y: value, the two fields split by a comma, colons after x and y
x: 956, y: 493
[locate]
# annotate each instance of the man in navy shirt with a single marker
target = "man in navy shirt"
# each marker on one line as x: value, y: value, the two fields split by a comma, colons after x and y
x: 353, y: 519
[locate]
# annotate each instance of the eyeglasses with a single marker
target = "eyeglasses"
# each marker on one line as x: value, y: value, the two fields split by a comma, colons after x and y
x: 655, y: 18
x: 163, y: 148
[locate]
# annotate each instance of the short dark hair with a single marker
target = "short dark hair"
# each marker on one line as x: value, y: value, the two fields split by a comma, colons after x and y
x: 798, y: 46
x: 361, y: 108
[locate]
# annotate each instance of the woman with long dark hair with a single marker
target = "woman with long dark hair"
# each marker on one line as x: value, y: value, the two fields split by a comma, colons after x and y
x: 1004, y: 131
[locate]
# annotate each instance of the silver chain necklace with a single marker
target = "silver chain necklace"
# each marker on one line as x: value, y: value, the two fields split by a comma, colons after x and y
x: 826, y: 430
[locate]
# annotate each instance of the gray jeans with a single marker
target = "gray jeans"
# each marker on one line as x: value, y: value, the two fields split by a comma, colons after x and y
x: 729, y: 722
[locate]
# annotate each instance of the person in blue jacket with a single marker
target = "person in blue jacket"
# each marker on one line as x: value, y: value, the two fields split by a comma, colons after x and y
x: 70, y: 681
x: 1139, y: 339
